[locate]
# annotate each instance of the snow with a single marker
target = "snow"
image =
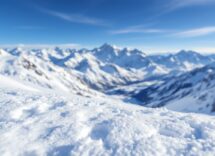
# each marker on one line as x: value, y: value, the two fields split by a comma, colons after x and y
x: 33, y: 123
x: 186, y: 104
x: 42, y: 112
x: 8, y: 82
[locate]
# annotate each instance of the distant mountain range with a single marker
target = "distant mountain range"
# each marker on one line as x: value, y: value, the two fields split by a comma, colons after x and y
x: 189, y: 92
x: 183, y: 81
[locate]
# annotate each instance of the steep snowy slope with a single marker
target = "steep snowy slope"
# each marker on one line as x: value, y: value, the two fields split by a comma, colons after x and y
x: 48, y: 124
x: 35, y: 67
x: 190, y: 92
x: 8, y: 82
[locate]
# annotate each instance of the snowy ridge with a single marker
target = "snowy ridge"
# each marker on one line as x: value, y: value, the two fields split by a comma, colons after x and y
x: 101, y: 68
x: 183, y: 60
x: 34, y: 67
x: 189, y: 92
x: 136, y: 77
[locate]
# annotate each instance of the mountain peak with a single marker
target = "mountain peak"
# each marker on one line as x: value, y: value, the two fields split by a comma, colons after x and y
x: 16, y: 51
x: 186, y: 52
x: 106, y: 45
x: 59, y: 51
x: 137, y: 51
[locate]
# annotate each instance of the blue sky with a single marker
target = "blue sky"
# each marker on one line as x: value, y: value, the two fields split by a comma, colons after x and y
x: 151, y: 25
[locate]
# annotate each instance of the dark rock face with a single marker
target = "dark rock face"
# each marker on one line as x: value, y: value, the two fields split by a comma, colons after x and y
x: 30, y: 66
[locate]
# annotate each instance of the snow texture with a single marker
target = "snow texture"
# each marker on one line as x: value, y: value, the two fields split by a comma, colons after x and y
x: 33, y: 123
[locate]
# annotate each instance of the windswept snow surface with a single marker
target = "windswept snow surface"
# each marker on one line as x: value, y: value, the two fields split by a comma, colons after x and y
x: 33, y: 123
x: 8, y: 82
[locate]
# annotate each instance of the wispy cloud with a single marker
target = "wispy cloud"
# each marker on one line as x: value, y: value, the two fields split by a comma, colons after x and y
x: 76, y: 18
x: 136, y: 29
x: 196, y: 32
x: 203, y: 31
x: 66, y: 45
x: 177, y: 4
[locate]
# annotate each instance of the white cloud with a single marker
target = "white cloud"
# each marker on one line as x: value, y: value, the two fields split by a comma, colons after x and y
x: 76, y: 18
x: 136, y: 29
x: 196, y: 32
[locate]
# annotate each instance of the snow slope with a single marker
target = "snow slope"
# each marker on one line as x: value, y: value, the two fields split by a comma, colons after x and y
x: 190, y: 92
x: 8, y: 82
x: 34, y: 67
x: 33, y: 123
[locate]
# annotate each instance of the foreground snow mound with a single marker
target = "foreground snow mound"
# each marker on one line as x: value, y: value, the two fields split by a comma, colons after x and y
x: 48, y: 124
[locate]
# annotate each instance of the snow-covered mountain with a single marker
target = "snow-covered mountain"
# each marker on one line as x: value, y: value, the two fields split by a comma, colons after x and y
x: 189, y: 92
x: 106, y: 67
x: 106, y: 70
x: 35, y: 67
x: 182, y: 61
x: 101, y: 68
